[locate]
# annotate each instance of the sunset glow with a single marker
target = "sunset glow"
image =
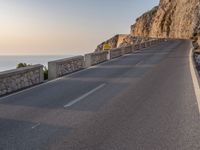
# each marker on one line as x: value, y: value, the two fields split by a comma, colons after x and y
x: 62, y: 26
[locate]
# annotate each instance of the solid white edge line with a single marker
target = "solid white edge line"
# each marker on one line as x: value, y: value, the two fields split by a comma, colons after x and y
x: 194, y: 78
x: 84, y: 96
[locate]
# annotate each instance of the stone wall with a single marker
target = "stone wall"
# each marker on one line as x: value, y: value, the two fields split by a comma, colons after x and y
x: 14, y: 80
x: 136, y: 47
x: 143, y: 45
x: 114, y: 53
x: 154, y: 42
x: 148, y: 44
x: 63, y: 67
x: 127, y: 49
x: 95, y: 58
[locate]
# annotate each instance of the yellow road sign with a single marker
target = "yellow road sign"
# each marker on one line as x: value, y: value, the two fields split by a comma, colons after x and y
x: 106, y: 47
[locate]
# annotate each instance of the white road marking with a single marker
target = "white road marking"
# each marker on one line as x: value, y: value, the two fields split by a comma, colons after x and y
x: 84, y: 96
x: 35, y: 126
x: 139, y: 63
x: 194, y: 79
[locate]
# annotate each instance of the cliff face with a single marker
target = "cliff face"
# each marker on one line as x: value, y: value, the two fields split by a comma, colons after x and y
x: 172, y: 18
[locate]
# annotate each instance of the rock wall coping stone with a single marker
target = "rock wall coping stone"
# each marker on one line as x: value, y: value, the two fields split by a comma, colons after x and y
x: 127, y: 49
x: 137, y: 47
x: 17, y: 79
x: 143, y: 45
x: 63, y: 67
x: 114, y: 53
x: 95, y: 58
x: 148, y: 43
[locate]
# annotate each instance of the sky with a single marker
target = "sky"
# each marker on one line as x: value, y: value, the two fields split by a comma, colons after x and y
x: 57, y: 27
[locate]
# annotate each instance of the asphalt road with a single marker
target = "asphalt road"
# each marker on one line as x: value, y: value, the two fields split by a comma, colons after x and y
x: 142, y: 101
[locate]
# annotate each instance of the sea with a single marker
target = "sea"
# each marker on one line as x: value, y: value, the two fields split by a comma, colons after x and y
x: 10, y: 62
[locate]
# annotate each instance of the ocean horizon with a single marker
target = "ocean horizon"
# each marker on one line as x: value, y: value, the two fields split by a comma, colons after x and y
x: 8, y: 62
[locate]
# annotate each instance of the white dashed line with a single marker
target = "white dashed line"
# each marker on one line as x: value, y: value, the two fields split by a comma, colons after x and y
x: 35, y: 126
x: 84, y: 96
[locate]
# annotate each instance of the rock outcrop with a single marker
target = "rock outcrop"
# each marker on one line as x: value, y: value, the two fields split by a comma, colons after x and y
x: 172, y: 18
x: 114, y: 42
x: 122, y: 40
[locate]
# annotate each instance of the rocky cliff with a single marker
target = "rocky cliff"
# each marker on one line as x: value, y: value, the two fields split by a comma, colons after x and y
x: 172, y: 18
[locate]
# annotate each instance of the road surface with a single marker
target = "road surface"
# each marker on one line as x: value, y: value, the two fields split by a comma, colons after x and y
x: 141, y: 101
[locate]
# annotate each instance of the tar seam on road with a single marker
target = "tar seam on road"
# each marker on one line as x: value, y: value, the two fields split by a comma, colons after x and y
x: 194, y: 79
x: 84, y: 96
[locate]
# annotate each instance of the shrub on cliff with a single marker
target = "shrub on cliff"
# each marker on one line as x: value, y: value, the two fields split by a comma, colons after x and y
x: 45, y: 70
x: 21, y: 65
x: 45, y: 73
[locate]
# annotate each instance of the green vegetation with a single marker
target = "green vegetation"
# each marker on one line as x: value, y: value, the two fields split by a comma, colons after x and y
x: 45, y: 73
x: 21, y: 65
x: 45, y: 70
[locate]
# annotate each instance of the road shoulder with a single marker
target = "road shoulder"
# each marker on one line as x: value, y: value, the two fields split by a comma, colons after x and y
x: 195, y: 78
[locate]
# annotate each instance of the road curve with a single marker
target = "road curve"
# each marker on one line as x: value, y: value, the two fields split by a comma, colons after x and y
x: 141, y: 101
